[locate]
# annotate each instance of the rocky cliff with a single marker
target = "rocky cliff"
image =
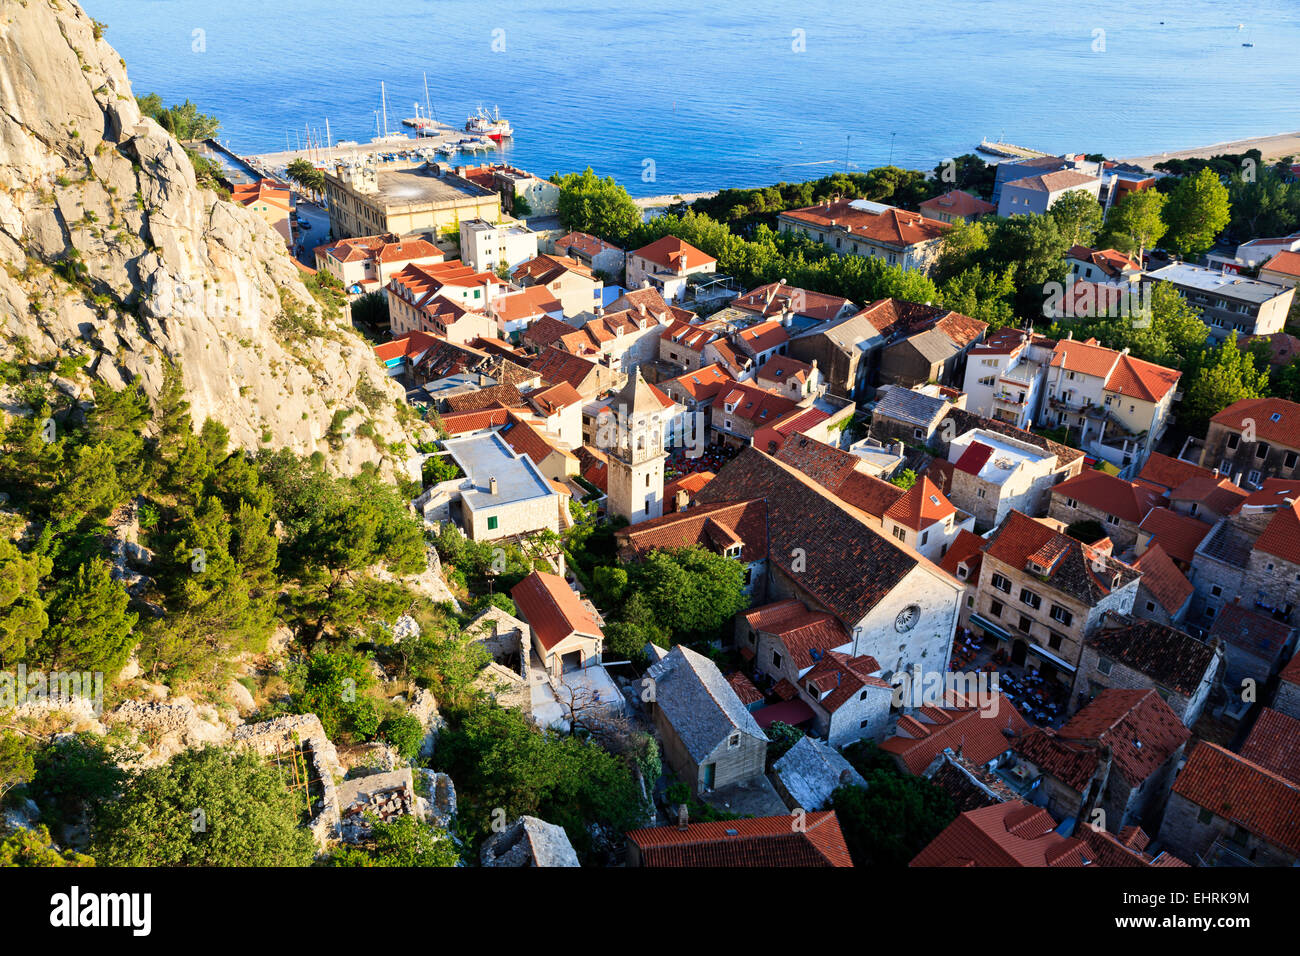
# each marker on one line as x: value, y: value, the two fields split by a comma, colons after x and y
x: 110, y: 250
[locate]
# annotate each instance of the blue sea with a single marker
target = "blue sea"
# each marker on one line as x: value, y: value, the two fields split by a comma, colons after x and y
x: 679, y: 96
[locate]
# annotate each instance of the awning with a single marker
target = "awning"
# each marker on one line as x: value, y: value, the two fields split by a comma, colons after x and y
x: 792, y: 712
x: 1038, y: 650
x: 989, y: 627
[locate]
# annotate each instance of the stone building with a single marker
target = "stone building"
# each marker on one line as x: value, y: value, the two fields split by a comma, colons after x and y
x: 1226, y: 810
x: 1254, y: 644
x: 1146, y: 655
x: 1042, y: 594
x: 757, y: 841
x: 811, y: 656
x: 566, y: 631
x: 896, y: 606
x: 709, y: 737
x: 1251, y: 558
x: 1117, y: 505
x: 1116, y: 755
x: 1255, y: 439
x: 1287, y: 699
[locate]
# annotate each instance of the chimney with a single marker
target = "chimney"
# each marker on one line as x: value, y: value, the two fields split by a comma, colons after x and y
x: 683, y: 817
x: 642, y: 308
x: 787, y: 317
x: 492, y: 485
x: 645, y: 283
x: 680, y: 500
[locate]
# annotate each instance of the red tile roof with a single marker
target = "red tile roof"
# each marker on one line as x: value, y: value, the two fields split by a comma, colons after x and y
x: 1179, y: 535
x: 690, y: 483
x: 265, y: 190
x: 1134, y: 378
x: 1169, y: 473
x: 957, y: 202
x: 967, y: 548
x: 1109, y: 494
x: 1110, y: 261
x: 1287, y: 263
x: 807, y: 635
x: 556, y: 366
x: 550, y: 399
x: 1084, y: 573
x: 762, y: 337
x: 921, y: 506
x: 1164, y: 654
x: 1086, y: 358
x: 1281, y: 538
x: 535, y: 301
x: 892, y: 226
x: 761, y: 841
x: 753, y: 404
x: 1291, y: 673
x: 585, y: 243
x: 1163, y: 579
x: 675, y: 255
x: 702, y: 384
x: 546, y: 331
x: 460, y: 423
x: 552, y: 609
x: 782, y: 369
x: 847, y: 566
x: 845, y: 677
x: 1261, y: 411
x: 709, y: 526
x: 836, y: 471
x: 527, y: 439
x: 773, y: 298
x: 744, y: 688
x: 1251, y: 631
x: 1217, y: 495
x: 977, y: 735
x: 1253, y: 797
x: 1274, y: 744
x: 1003, y: 834
x: 1140, y: 729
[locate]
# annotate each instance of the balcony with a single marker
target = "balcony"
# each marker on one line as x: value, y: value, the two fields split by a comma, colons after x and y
x: 1019, y: 399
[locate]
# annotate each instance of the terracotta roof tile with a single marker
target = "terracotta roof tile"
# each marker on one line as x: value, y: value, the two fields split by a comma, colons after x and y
x: 761, y: 841
x: 1003, y: 835
x: 1109, y: 494
x: 1163, y: 579
x: 1275, y: 419
x: 552, y: 609
x: 970, y: 731
x: 1169, y: 657
x: 1274, y: 744
x: 1240, y: 790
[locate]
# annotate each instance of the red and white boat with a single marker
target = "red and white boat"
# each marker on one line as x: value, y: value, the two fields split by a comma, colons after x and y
x: 490, y: 125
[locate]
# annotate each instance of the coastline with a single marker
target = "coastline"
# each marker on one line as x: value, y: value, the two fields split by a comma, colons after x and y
x: 1271, y: 147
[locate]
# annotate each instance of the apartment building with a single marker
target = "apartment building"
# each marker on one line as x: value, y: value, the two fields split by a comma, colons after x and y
x: 1229, y: 302
x: 1006, y: 375
x: 1254, y: 440
x: 1115, y: 406
x: 404, y: 200
x: 487, y: 246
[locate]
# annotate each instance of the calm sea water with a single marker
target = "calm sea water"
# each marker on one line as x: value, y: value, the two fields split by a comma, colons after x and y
x: 718, y: 94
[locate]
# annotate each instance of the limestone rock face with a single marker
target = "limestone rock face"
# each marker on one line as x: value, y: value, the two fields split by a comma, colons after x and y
x: 109, y: 249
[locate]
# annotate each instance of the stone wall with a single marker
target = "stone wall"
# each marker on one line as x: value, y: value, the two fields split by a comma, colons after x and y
x: 283, y: 734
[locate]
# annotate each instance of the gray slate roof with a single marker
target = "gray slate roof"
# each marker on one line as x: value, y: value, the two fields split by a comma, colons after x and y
x: 811, y: 770
x: 698, y: 702
x: 905, y: 405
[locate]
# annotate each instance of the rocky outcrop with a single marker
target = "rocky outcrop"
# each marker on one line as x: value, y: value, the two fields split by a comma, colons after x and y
x: 110, y: 250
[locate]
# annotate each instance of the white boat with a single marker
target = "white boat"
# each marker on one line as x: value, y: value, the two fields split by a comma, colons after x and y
x: 492, y: 126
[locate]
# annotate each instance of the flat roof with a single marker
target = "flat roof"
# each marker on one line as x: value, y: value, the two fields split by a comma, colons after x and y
x: 417, y: 186
x: 1003, y: 449
x: 1222, y: 283
x: 483, y: 457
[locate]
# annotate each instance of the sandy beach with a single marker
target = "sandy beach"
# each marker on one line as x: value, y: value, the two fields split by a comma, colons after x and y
x: 1271, y: 147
